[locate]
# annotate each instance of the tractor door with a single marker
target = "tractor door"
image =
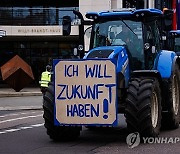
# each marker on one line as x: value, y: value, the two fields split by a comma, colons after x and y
x: 152, y: 42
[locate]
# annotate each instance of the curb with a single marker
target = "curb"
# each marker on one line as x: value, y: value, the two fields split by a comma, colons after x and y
x: 8, y: 108
x: 19, y: 94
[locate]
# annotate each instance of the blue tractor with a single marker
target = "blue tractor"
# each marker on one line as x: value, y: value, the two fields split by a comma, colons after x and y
x: 147, y: 77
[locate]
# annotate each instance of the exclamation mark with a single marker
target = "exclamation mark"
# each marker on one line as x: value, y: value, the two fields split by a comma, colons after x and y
x: 105, y: 108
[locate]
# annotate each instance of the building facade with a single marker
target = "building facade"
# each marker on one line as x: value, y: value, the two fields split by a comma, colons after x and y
x: 34, y: 32
x: 34, y: 28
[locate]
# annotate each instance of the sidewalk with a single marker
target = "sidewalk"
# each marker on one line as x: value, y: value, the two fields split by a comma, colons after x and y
x: 7, y: 94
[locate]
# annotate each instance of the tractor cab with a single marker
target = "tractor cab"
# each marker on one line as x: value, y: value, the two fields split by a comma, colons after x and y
x: 136, y: 31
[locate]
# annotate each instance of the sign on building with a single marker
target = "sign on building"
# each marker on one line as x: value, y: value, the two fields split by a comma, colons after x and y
x: 85, y: 92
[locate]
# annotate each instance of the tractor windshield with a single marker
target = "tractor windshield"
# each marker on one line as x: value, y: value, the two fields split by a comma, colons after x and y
x: 177, y: 44
x: 120, y: 33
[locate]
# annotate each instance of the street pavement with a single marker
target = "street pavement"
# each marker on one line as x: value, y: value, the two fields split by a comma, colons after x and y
x: 8, y: 93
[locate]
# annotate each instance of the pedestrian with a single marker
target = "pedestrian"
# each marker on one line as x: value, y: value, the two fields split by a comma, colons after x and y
x: 45, y: 79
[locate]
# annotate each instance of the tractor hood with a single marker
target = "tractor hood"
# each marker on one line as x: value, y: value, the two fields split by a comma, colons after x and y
x: 105, y: 52
x: 117, y: 54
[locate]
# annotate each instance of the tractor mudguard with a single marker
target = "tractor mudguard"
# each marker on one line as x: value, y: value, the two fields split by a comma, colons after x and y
x: 122, y: 65
x: 146, y: 73
x: 164, y: 63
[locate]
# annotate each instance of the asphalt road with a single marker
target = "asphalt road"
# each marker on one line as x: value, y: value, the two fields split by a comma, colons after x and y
x: 16, y: 103
x: 22, y: 132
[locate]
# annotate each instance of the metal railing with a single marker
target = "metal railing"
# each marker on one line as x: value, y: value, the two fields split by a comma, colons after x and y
x: 26, y: 16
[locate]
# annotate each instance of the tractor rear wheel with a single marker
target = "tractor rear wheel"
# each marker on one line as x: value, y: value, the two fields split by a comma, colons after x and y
x: 171, y: 118
x: 143, y: 106
x: 57, y: 133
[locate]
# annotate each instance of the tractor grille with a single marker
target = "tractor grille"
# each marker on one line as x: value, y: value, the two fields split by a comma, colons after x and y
x: 100, y: 54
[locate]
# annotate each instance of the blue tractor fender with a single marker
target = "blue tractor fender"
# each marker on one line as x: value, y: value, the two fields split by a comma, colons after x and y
x: 165, y: 62
x: 122, y: 63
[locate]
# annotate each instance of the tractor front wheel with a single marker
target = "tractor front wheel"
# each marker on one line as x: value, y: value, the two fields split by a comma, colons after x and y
x: 56, y: 133
x: 143, y: 106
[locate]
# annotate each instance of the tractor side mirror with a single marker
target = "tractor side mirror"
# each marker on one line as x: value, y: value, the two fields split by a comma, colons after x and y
x: 66, y: 23
x: 168, y: 16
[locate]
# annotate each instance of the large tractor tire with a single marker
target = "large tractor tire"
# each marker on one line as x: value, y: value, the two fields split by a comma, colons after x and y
x: 171, y: 95
x: 57, y: 133
x: 143, y: 106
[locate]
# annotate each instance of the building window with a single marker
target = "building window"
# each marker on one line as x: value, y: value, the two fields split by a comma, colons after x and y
x: 129, y: 3
x: 38, y: 15
x: 66, y: 12
x: 37, y: 54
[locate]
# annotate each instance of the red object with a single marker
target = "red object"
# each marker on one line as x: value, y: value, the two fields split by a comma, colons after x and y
x: 174, y: 24
x: 17, y: 73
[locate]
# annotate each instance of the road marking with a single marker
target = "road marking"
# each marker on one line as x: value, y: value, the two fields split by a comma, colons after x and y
x: 12, y: 130
x: 26, y: 127
x: 9, y: 120
x: 37, y: 125
x: 21, y: 128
